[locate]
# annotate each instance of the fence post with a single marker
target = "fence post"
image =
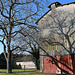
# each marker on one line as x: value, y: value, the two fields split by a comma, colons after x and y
x: 24, y: 67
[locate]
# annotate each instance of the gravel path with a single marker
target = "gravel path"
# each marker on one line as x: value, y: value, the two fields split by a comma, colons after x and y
x: 51, y: 74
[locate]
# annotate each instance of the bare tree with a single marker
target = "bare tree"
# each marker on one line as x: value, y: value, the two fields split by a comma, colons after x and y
x: 29, y: 43
x: 14, y: 16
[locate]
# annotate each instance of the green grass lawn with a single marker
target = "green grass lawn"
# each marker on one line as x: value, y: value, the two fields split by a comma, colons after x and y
x: 17, y: 74
x: 25, y: 72
x: 18, y: 70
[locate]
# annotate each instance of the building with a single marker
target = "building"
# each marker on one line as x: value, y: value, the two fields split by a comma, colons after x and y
x: 57, y: 39
x: 24, y: 62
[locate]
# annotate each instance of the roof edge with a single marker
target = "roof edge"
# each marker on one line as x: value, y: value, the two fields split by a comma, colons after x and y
x: 57, y: 4
x: 50, y: 9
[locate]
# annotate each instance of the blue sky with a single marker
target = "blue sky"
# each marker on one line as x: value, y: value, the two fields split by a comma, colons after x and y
x: 61, y: 1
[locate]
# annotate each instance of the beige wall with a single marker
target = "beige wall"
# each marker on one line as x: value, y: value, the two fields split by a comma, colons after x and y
x: 27, y: 65
x: 49, y: 25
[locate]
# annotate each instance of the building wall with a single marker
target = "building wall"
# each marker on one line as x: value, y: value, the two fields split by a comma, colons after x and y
x: 46, y: 22
x: 59, y: 64
x: 26, y: 65
x: 48, y: 29
x: 49, y: 26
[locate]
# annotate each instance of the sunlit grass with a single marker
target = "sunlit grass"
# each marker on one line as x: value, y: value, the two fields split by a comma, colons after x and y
x: 3, y: 71
x: 18, y: 70
x: 17, y: 74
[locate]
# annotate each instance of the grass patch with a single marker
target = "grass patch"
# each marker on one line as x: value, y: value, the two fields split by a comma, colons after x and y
x: 2, y: 70
x: 17, y: 74
x: 14, y: 72
x: 18, y: 70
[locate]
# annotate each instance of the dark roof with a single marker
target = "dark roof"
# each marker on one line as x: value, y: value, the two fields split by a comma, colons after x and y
x: 69, y: 3
x: 41, y: 17
x: 57, y: 5
x: 24, y: 58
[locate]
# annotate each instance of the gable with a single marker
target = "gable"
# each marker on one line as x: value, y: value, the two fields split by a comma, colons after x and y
x: 54, y: 25
x: 46, y: 23
x: 57, y: 5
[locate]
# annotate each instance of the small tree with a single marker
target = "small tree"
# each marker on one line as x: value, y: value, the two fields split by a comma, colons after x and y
x: 29, y: 42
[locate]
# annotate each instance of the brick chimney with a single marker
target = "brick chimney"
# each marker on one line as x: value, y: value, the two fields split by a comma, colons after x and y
x: 54, y: 5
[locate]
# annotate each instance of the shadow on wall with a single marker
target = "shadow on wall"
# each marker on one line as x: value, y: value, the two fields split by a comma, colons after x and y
x: 59, y: 64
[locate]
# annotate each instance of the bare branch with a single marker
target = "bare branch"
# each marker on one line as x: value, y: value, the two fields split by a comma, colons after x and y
x: 73, y: 43
x: 72, y: 33
x: 2, y: 11
x: 57, y: 43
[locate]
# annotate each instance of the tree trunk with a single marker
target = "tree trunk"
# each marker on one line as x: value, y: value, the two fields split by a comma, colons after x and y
x: 37, y: 63
x: 73, y: 62
x: 9, y: 68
